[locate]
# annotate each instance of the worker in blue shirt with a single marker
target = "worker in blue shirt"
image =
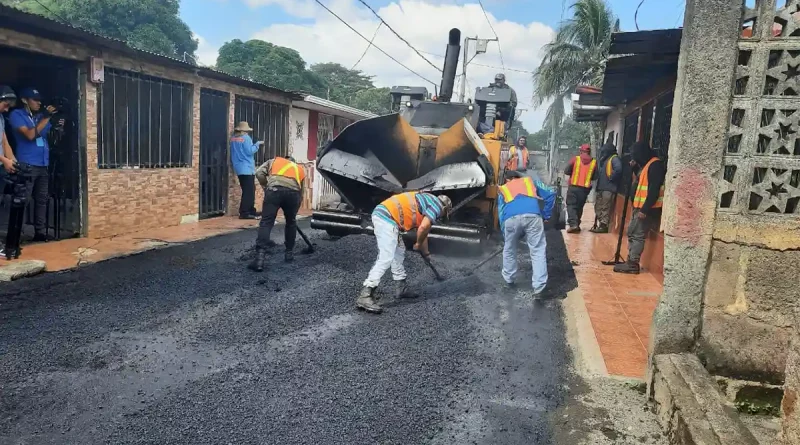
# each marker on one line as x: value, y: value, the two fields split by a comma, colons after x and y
x: 523, y: 206
x: 243, y: 152
x: 30, y: 125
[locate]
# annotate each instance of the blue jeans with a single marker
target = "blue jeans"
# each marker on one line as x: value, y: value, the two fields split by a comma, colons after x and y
x: 531, y: 227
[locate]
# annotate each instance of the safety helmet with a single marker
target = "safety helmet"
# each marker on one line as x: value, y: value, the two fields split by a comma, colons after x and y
x: 500, y: 76
x: 446, y: 202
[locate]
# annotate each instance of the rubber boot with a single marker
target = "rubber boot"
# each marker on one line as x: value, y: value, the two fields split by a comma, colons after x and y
x: 257, y: 265
x: 629, y: 268
x: 367, y: 302
x: 403, y: 291
x: 288, y: 257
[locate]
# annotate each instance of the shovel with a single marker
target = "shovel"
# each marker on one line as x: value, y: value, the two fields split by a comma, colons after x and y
x: 475, y: 269
x: 427, y: 261
x: 310, y: 248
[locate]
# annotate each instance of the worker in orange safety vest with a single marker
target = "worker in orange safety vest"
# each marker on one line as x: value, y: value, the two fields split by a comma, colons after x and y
x: 398, y: 214
x: 282, y: 180
x: 581, y: 171
x: 647, y: 202
x: 518, y: 156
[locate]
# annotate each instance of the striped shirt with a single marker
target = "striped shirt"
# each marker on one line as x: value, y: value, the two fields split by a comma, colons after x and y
x: 429, y: 205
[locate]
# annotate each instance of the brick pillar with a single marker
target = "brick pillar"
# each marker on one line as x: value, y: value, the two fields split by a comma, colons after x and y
x: 703, y: 96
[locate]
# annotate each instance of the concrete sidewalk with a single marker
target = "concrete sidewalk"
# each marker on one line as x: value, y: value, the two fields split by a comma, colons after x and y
x: 71, y: 253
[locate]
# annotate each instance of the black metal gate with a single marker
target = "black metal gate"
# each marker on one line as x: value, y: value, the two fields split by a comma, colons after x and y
x: 270, y: 122
x: 214, y: 108
x: 59, y: 82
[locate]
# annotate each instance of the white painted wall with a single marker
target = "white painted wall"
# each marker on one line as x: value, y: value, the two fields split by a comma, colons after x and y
x: 614, y: 123
x: 298, y: 134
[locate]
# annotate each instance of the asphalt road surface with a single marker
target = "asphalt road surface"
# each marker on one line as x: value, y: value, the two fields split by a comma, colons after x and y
x: 185, y: 346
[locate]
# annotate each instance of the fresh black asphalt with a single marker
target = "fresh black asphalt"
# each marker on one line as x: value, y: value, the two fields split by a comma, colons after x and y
x: 184, y: 345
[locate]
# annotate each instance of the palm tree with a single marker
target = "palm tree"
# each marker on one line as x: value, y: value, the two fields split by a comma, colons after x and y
x: 576, y: 56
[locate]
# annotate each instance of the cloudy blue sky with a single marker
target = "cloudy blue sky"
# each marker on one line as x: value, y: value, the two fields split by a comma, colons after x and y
x: 523, y: 26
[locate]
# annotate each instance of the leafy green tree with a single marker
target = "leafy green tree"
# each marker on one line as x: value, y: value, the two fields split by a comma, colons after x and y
x: 374, y: 100
x: 343, y: 83
x: 576, y: 56
x: 151, y: 25
x: 570, y: 133
x: 270, y: 64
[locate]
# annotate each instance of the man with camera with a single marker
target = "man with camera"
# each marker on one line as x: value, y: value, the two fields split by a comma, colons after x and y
x: 31, y: 124
x: 7, y: 101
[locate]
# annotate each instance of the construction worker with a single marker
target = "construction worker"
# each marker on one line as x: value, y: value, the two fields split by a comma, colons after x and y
x: 608, y: 178
x: 647, y: 202
x: 282, y: 180
x: 523, y: 206
x: 518, y: 156
x: 581, y: 170
x: 400, y: 213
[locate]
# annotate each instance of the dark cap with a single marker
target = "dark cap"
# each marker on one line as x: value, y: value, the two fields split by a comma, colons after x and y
x: 30, y: 93
x: 6, y: 93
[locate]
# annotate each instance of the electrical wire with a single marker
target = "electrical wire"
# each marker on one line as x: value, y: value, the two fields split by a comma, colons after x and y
x: 368, y: 47
x: 399, y: 36
x: 499, y: 48
x: 376, y: 46
x: 484, y: 65
x: 51, y: 11
x: 636, y: 15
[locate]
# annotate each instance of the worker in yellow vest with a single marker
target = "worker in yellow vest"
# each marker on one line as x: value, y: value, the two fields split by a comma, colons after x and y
x: 282, y: 180
x: 401, y: 213
x: 609, y: 174
x: 523, y: 206
x: 518, y: 156
x: 581, y: 171
x: 647, y: 202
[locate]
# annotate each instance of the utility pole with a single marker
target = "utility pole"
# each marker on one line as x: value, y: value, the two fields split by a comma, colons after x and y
x: 480, y: 48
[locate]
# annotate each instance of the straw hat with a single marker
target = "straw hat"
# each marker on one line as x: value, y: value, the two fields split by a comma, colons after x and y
x: 243, y: 126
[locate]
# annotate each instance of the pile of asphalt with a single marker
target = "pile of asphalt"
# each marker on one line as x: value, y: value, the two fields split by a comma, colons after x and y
x: 184, y: 345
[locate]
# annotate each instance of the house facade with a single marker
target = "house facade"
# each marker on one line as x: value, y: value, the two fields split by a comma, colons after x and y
x: 145, y: 143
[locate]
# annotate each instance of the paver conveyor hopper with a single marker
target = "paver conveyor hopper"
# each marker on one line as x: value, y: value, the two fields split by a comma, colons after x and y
x: 427, y: 146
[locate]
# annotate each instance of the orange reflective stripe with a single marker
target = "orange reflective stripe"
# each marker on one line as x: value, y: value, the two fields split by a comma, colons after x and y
x: 404, y: 211
x: 516, y: 187
x: 524, y: 158
x: 580, y: 175
x: 608, y: 165
x: 640, y: 196
x: 592, y: 167
x: 282, y: 167
x: 576, y: 171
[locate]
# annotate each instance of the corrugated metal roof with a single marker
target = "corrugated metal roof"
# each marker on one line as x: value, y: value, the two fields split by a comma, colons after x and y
x: 324, y: 103
x: 12, y: 18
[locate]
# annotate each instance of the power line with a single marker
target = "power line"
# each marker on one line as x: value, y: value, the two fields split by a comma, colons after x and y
x: 499, y: 48
x: 399, y: 36
x: 51, y: 11
x: 376, y: 46
x: 368, y: 46
x: 484, y: 65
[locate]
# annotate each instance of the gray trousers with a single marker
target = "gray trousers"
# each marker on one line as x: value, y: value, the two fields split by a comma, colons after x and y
x: 637, y: 234
x: 531, y: 228
x: 602, y: 207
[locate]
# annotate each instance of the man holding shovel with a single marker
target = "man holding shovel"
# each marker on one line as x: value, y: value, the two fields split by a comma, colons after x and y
x: 400, y: 213
x: 523, y: 205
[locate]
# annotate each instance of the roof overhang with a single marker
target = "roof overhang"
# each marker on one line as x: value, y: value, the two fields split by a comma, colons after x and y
x: 587, y: 105
x: 640, y: 61
x: 321, y: 105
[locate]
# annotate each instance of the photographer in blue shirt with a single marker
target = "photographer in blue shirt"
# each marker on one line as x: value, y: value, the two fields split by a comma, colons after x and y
x: 30, y: 125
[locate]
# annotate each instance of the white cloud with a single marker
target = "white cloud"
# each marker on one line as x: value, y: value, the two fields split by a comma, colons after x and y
x: 424, y: 23
x: 206, y: 53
